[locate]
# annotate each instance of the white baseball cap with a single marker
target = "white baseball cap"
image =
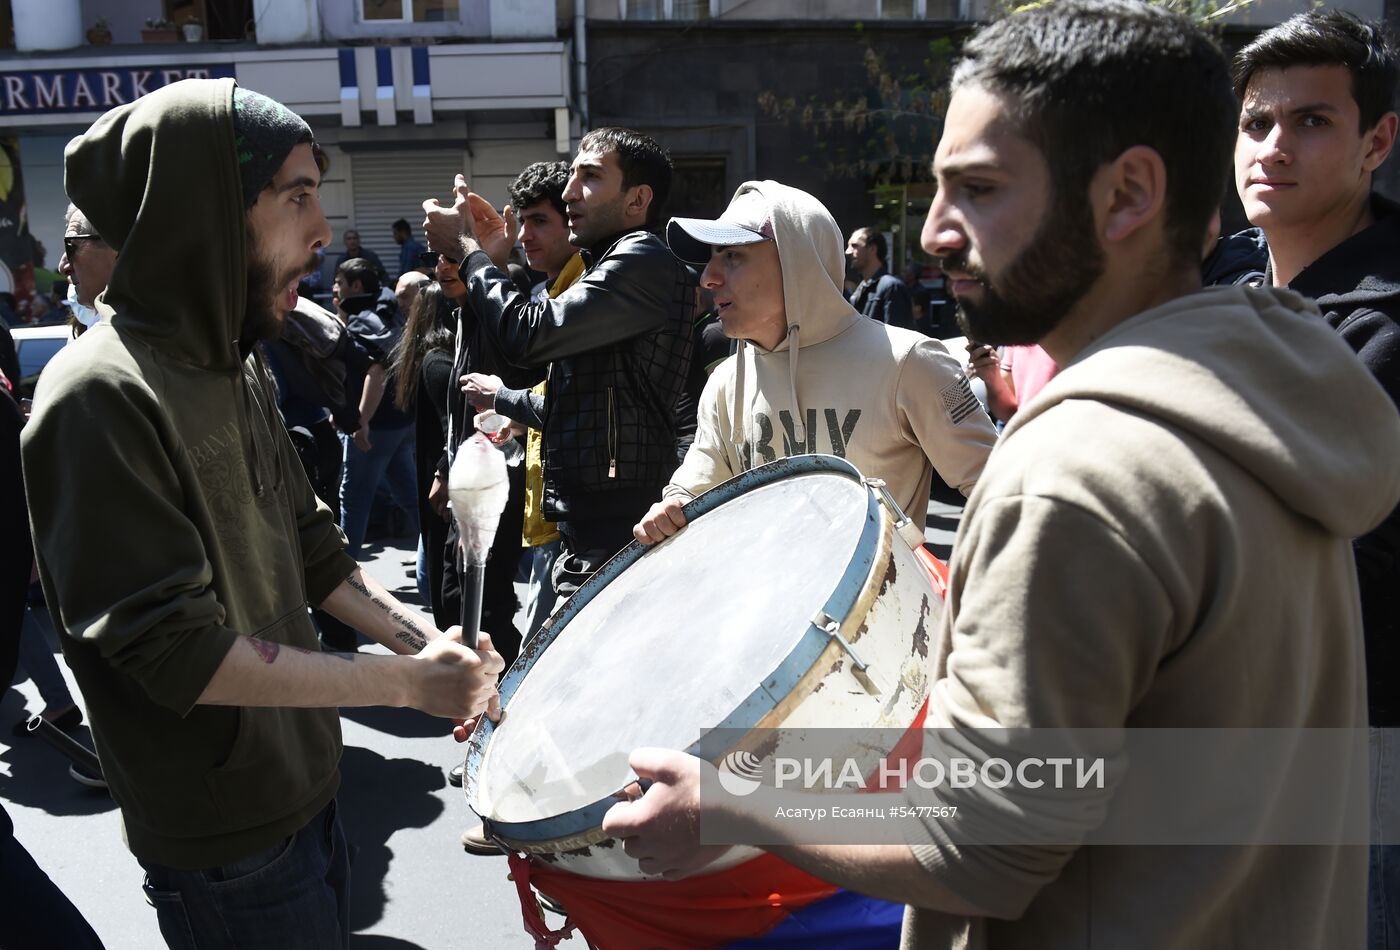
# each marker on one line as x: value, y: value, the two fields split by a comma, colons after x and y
x: 745, y: 221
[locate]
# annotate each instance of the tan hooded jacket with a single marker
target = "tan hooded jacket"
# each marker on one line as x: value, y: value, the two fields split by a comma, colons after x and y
x: 890, y: 401
x: 1162, y: 540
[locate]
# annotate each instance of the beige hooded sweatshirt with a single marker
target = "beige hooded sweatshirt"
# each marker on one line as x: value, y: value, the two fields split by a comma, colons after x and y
x: 890, y: 401
x: 1162, y: 540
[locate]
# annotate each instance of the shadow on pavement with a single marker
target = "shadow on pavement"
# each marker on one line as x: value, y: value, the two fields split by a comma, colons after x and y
x: 405, y: 723
x: 379, y: 796
x: 38, y: 774
x: 381, y: 942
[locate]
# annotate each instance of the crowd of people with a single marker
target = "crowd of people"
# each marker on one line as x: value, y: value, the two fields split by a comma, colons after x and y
x: 1180, y: 474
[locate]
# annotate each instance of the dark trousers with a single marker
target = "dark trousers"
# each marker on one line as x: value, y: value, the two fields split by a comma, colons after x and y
x: 17, y: 551
x: 34, y: 912
x: 585, y: 546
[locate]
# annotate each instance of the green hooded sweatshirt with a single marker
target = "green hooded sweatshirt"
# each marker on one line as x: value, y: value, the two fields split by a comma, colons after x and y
x: 170, y: 511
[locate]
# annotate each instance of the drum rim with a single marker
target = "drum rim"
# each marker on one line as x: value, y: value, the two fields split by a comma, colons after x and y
x: 747, y: 714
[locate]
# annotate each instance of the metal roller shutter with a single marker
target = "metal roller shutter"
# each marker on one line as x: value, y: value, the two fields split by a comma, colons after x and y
x: 393, y: 185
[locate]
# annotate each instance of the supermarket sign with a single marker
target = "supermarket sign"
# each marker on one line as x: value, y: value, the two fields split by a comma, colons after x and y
x: 52, y: 91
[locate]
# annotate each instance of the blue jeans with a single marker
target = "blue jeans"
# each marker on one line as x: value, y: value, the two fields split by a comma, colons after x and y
x: 420, y: 574
x: 294, y: 895
x: 390, y: 458
x: 539, y: 596
x: 1383, y: 914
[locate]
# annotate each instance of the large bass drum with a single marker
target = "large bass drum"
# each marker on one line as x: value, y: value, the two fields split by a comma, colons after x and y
x: 792, y: 598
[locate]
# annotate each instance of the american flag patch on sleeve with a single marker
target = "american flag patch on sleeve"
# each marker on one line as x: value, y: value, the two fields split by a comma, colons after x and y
x: 959, y: 399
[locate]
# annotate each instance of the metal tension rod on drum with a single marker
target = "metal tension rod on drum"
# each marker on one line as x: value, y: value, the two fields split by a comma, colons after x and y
x: 859, y: 668
x: 904, y: 526
x: 832, y: 628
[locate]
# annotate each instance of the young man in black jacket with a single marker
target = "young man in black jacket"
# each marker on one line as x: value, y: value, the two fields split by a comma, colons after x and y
x: 1316, y: 121
x: 617, y: 343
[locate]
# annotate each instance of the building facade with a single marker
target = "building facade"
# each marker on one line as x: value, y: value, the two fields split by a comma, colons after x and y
x: 843, y: 98
x: 403, y: 95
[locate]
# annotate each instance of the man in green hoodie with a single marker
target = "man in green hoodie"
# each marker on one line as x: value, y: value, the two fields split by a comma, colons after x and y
x: 1161, y: 540
x: 179, y: 584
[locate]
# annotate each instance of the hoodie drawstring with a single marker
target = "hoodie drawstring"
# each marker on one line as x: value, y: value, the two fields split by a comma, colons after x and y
x: 736, y: 411
x: 799, y: 429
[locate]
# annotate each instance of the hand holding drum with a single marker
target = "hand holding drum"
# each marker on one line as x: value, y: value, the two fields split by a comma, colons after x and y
x: 661, y: 828
x: 665, y: 518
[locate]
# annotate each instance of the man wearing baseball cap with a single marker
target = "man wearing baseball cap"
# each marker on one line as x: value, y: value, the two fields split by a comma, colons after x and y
x: 179, y: 581
x: 810, y: 375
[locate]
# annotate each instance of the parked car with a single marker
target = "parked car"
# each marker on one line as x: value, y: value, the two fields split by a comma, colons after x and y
x: 35, y: 346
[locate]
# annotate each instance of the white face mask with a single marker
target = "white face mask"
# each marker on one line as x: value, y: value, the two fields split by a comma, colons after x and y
x: 84, y: 314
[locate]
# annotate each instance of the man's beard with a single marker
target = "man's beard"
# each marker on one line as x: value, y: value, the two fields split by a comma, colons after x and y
x: 602, y: 222
x: 262, y: 312
x: 1035, y: 292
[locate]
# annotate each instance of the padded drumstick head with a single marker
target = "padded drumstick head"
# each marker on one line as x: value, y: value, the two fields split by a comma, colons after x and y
x: 478, y: 489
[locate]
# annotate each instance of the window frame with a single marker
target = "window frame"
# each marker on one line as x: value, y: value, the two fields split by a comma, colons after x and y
x: 406, y: 15
x: 668, y: 10
x: 920, y: 9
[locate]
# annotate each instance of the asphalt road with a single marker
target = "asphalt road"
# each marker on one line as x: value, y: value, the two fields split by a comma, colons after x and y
x: 412, y: 885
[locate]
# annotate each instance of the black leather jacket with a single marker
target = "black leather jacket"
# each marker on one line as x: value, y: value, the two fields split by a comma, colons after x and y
x: 618, y: 346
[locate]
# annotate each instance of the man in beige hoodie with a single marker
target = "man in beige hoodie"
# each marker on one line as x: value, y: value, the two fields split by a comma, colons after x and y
x: 811, y: 375
x: 1160, y: 541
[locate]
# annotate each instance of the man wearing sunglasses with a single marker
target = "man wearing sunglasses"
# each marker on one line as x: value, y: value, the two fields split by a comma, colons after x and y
x: 87, y: 262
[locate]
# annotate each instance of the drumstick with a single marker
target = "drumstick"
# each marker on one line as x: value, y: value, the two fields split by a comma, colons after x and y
x: 478, y: 489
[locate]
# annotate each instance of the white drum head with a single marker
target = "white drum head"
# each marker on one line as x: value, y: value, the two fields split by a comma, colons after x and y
x: 672, y: 646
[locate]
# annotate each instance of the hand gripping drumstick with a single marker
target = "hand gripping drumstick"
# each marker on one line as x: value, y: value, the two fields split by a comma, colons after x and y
x: 478, y: 489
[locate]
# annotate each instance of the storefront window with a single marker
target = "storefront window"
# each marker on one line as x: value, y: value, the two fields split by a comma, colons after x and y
x: 645, y: 10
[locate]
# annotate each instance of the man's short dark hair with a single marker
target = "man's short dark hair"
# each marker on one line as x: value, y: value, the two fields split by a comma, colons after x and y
x: 542, y: 181
x: 1089, y: 80
x: 1328, y: 38
x: 876, y: 240
x: 361, y: 270
x: 400, y: 225
x: 643, y: 161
